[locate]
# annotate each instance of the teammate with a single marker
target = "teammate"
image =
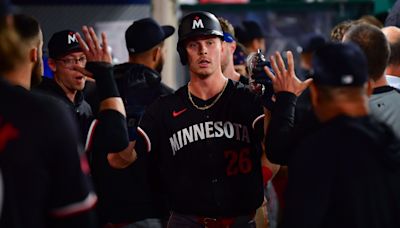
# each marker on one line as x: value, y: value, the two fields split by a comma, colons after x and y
x: 392, y: 34
x: 30, y: 34
x: 229, y: 47
x: 138, y: 202
x: 384, y: 102
x: 228, y: 68
x: 351, y: 181
x: 67, y: 85
x: 207, y: 136
x: 43, y: 182
x: 251, y: 35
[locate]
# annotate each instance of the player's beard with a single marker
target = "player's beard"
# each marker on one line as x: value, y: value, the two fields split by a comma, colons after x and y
x: 159, y: 65
x: 37, y: 73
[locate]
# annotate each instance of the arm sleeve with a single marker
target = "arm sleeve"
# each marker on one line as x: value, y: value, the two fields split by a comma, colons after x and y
x: 279, y: 137
x: 103, y: 73
x: 108, y: 132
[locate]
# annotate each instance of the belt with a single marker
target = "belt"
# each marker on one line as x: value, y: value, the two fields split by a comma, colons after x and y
x: 223, y: 222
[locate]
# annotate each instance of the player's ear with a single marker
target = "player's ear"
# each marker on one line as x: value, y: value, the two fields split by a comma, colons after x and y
x: 52, y: 64
x: 33, y: 55
x: 156, y: 54
x: 233, y: 46
x: 370, y: 87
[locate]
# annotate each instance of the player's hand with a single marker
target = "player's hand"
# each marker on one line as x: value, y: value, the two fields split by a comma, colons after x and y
x: 83, y: 71
x: 285, y: 80
x: 94, y: 51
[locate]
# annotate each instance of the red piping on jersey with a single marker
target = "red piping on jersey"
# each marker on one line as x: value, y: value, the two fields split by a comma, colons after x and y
x: 89, y: 138
x: 76, y: 208
x: 146, y: 138
x: 7, y: 133
x: 84, y: 164
x: 257, y: 119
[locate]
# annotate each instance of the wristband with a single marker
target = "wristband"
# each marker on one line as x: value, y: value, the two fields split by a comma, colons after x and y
x: 113, y: 130
x: 103, y: 73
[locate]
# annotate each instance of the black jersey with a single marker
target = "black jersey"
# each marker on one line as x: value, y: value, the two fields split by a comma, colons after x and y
x: 40, y: 165
x: 80, y: 109
x: 138, y: 196
x: 209, y: 159
x: 345, y: 174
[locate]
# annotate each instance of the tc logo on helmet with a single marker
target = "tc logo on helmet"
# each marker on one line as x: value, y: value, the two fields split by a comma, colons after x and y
x: 197, y: 23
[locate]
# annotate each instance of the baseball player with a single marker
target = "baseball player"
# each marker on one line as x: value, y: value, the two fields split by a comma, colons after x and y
x: 138, y: 202
x: 344, y: 172
x: 67, y: 85
x: 43, y: 181
x: 207, y: 136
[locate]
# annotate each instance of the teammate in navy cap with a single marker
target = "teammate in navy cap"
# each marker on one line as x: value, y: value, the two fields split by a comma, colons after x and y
x: 138, y: 202
x: 350, y: 159
x: 251, y: 35
x: 65, y: 55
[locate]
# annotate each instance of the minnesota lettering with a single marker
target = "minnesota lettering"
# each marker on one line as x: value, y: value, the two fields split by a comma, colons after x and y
x: 208, y: 130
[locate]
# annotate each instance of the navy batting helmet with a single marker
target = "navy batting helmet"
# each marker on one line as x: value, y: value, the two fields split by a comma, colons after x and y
x: 196, y: 24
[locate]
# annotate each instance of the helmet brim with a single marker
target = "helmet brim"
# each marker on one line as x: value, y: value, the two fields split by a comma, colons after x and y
x: 202, y: 32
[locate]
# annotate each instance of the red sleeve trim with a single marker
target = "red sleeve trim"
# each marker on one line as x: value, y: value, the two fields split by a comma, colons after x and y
x: 146, y: 138
x: 261, y: 117
x: 76, y: 208
x: 89, y: 138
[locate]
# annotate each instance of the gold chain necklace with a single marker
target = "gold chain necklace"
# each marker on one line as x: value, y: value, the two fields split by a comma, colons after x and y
x: 210, y: 105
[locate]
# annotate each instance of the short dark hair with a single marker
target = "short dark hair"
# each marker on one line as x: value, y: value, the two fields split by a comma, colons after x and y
x: 374, y: 45
x: 26, y: 26
x: 329, y: 94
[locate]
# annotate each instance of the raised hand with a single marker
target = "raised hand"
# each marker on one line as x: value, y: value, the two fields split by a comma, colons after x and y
x: 94, y: 51
x: 285, y: 80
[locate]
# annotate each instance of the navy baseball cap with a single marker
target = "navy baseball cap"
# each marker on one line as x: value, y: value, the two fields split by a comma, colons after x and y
x: 310, y: 42
x: 249, y: 30
x: 63, y: 43
x: 339, y: 64
x: 146, y: 33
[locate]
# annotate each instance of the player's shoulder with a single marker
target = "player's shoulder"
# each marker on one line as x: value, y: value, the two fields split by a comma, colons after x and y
x: 49, y: 105
x: 19, y: 100
x: 168, y: 101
